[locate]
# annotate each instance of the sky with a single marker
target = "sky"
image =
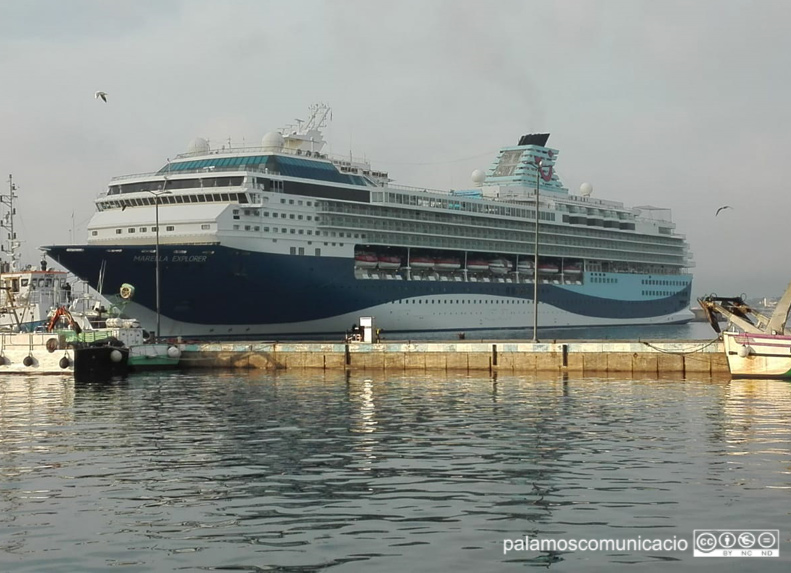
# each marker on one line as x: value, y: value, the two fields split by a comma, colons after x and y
x: 676, y: 104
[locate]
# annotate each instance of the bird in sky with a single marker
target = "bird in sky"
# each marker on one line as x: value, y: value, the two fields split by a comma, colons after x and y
x: 101, y: 95
x: 721, y: 208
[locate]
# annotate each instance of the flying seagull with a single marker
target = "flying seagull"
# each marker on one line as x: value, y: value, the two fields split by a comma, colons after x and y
x: 721, y: 208
x: 102, y: 95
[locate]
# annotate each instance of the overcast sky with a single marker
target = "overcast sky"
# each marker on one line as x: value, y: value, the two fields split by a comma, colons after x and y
x: 675, y: 104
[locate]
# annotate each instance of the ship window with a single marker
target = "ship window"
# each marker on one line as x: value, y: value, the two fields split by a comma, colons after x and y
x: 290, y: 201
x: 309, y: 203
x: 170, y: 228
x: 301, y: 232
x: 256, y: 228
x: 205, y: 226
x: 236, y: 227
x: 309, y: 232
x: 291, y: 216
x: 284, y: 230
x: 318, y: 232
x: 309, y: 218
x: 94, y: 233
x: 299, y: 202
x: 293, y: 250
x: 118, y: 231
x: 293, y: 231
x: 266, y: 213
x: 302, y: 250
x: 247, y: 227
x: 299, y: 217
x: 153, y: 229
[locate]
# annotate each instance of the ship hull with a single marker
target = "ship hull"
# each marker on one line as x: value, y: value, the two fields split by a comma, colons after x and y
x: 211, y: 291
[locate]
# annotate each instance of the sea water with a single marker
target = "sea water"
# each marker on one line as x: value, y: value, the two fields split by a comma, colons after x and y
x: 313, y: 471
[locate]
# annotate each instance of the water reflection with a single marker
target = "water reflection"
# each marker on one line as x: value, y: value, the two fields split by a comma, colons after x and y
x: 350, y: 472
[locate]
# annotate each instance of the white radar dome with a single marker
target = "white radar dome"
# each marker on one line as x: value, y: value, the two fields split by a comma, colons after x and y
x: 273, y: 141
x: 478, y: 177
x: 586, y: 189
x: 198, y: 145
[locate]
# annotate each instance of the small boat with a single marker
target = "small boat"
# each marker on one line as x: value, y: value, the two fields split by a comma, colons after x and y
x: 421, y: 262
x: 477, y: 265
x: 87, y: 320
x: 389, y: 262
x: 366, y: 260
x: 572, y: 269
x: 525, y: 267
x: 447, y: 264
x: 499, y: 266
x: 548, y: 268
x: 756, y: 346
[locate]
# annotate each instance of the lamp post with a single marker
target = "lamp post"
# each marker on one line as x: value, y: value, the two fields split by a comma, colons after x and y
x: 157, y: 195
x: 535, y: 258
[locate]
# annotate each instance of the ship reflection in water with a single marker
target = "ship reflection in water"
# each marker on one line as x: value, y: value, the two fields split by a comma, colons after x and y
x: 313, y: 472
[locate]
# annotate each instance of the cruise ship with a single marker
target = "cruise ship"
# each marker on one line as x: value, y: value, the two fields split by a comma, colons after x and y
x: 283, y: 241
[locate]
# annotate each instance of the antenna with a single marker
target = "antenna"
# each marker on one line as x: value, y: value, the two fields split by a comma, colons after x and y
x: 11, y: 245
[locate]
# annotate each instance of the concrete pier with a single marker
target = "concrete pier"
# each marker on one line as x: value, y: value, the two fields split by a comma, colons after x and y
x: 586, y: 357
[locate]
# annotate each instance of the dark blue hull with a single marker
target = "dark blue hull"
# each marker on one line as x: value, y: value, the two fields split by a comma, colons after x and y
x: 211, y: 286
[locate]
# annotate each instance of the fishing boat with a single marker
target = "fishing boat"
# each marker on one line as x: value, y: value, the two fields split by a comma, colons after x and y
x: 27, y: 293
x: 756, y: 345
x: 88, y: 320
x: 276, y: 228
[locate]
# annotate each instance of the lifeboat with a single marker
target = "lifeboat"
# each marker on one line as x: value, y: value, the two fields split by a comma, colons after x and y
x: 500, y: 266
x: 447, y: 264
x: 389, y: 262
x: 548, y: 268
x: 366, y: 260
x: 575, y: 269
x: 525, y: 267
x: 477, y: 265
x: 421, y: 262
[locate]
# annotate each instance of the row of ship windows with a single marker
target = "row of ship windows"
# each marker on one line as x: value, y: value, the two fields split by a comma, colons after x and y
x: 172, y: 199
x: 256, y: 213
x: 298, y: 231
x: 604, y: 280
x: 657, y: 293
x: 132, y: 230
x: 663, y: 282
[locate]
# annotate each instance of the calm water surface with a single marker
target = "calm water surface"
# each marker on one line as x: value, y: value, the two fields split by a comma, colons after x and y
x: 320, y: 472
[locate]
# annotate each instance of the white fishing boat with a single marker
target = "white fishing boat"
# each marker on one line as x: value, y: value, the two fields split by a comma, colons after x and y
x: 756, y: 345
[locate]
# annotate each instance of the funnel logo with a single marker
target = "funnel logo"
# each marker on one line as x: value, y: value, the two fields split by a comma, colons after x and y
x: 736, y: 543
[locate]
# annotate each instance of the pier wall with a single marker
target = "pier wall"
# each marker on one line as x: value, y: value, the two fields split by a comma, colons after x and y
x: 698, y: 357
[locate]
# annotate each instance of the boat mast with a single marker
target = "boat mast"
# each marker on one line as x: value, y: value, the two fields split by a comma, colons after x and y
x: 10, y: 245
